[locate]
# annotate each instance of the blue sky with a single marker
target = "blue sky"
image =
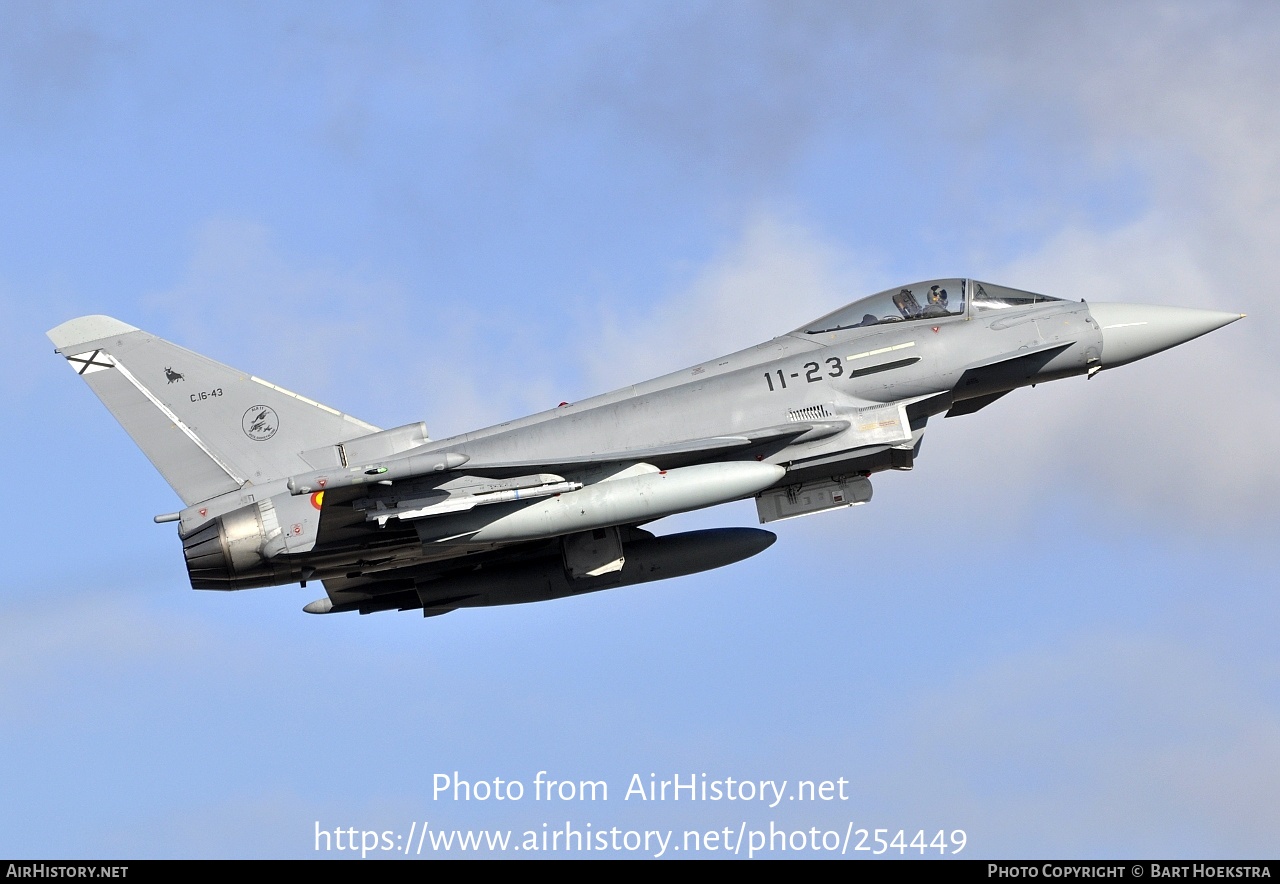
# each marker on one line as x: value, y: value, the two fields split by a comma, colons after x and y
x: 465, y: 212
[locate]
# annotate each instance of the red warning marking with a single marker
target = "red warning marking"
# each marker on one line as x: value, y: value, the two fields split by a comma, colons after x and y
x: 203, y: 512
x: 322, y: 482
x: 317, y: 499
x: 296, y: 529
x: 935, y: 329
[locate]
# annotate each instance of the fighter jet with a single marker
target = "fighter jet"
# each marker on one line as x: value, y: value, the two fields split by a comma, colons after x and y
x: 279, y: 488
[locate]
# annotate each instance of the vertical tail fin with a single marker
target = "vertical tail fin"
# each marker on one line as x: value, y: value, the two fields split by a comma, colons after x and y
x: 206, y: 427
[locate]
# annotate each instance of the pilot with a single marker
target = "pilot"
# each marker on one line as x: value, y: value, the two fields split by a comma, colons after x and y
x: 937, y: 302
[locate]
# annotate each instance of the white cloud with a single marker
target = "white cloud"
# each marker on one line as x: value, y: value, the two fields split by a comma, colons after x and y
x: 1175, y: 439
x: 1185, y: 429
x: 774, y: 277
x: 1175, y: 97
x: 366, y: 346
x: 1112, y: 744
x: 244, y: 297
x: 1177, y: 91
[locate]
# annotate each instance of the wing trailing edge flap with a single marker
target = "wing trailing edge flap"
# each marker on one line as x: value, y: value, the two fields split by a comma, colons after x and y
x: 673, y: 454
x: 471, y: 483
x: 481, y: 484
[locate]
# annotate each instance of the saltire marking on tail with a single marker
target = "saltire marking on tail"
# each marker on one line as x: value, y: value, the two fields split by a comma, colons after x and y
x: 89, y: 364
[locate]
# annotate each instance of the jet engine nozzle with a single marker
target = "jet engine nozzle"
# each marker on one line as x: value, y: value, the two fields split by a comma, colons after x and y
x: 1134, y: 331
x: 230, y: 552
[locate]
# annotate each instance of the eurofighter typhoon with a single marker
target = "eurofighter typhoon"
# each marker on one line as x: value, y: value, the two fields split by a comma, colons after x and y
x: 281, y: 489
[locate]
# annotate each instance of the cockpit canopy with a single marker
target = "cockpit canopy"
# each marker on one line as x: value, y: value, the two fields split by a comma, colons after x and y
x: 932, y: 299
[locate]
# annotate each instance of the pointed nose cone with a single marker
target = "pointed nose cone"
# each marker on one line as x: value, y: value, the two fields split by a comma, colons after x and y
x: 1133, y: 331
